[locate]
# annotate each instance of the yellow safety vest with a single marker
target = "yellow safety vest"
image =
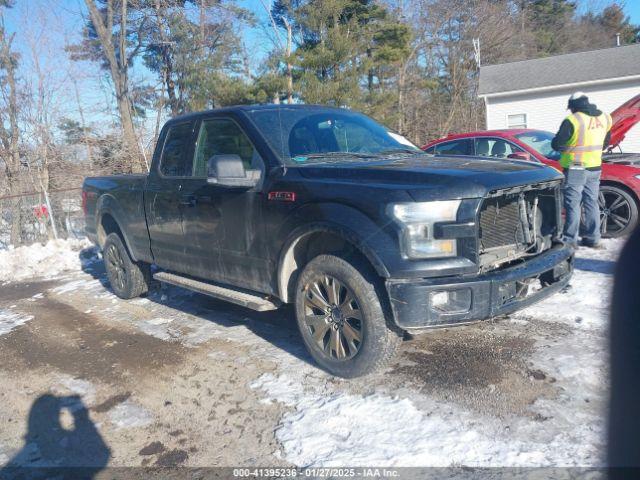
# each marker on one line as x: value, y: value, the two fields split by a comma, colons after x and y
x: 584, y: 148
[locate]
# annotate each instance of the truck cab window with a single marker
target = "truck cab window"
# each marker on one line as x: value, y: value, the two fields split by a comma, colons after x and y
x: 222, y: 136
x: 174, y: 161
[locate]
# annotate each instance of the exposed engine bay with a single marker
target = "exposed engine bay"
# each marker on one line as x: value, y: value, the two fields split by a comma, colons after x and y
x: 518, y: 223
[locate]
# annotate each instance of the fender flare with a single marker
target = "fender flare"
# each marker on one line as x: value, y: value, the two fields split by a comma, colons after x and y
x: 108, y: 205
x: 346, y: 222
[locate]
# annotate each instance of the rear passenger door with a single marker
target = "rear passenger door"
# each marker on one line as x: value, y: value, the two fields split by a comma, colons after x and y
x: 163, y: 195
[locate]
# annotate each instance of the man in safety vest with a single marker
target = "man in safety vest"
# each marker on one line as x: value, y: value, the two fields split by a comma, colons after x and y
x: 582, y: 137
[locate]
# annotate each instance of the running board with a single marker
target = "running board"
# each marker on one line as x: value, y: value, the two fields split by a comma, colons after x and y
x: 249, y: 300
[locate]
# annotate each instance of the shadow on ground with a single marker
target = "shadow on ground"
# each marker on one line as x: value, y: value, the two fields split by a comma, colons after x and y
x: 595, y: 265
x: 277, y: 327
x: 58, y: 446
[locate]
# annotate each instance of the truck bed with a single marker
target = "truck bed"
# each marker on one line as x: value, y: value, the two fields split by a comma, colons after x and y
x: 121, y: 197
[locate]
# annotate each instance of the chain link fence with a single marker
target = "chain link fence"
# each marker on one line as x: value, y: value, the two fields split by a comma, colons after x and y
x: 36, y: 217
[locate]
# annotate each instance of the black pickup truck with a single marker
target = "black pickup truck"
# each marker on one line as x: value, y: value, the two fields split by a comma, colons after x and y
x: 365, y: 234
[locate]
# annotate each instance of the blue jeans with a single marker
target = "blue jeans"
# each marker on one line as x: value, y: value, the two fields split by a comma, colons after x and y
x: 580, y: 191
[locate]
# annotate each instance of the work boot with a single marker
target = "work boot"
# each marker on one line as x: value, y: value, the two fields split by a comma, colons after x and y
x: 594, y: 245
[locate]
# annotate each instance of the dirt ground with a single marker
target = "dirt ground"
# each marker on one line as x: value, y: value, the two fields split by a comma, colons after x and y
x: 167, y: 380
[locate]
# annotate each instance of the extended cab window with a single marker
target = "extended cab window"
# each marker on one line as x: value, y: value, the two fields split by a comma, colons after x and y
x: 174, y: 161
x: 222, y: 136
x: 463, y: 146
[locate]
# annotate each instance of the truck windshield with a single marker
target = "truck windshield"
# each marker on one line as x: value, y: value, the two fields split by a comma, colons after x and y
x: 540, y: 141
x: 304, y: 136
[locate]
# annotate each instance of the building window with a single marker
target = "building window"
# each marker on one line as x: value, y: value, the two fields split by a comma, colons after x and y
x: 518, y: 120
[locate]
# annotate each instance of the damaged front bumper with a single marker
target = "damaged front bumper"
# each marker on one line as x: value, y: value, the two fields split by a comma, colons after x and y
x: 418, y: 304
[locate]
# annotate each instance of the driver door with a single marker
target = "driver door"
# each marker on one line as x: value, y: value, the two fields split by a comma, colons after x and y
x: 223, y: 228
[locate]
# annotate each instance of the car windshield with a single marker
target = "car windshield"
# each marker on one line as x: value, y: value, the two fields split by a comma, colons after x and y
x: 314, y: 135
x: 540, y: 141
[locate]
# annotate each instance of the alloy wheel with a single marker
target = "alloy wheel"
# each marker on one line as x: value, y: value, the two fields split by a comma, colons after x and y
x: 116, y: 266
x: 615, y: 212
x: 333, y: 317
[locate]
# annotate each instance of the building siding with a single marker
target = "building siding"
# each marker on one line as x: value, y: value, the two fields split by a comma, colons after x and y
x: 546, y: 110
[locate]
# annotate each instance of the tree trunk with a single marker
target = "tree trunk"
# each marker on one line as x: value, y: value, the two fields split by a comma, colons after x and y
x: 118, y: 67
x: 167, y: 69
x: 10, y: 137
x: 289, y: 66
x: 16, y: 222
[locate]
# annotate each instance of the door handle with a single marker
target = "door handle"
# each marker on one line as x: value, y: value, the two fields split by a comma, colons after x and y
x: 188, y: 201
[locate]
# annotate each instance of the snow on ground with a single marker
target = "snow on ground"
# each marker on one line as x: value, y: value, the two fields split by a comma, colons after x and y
x: 130, y: 415
x: 344, y: 429
x: 10, y: 320
x: 70, y: 386
x: 362, y: 430
x: 586, y: 302
x: 330, y: 426
x: 42, y: 261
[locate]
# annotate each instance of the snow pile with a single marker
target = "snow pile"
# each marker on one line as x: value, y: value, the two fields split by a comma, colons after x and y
x: 344, y: 429
x: 44, y: 261
x: 10, y: 320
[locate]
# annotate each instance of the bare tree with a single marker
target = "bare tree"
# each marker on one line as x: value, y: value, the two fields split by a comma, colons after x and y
x: 286, y: 47
x: 118, y: 61
x: 9, y: 130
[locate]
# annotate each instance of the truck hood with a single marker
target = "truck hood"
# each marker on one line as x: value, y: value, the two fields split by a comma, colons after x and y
x: 624, y: 118
x: 428, y: 178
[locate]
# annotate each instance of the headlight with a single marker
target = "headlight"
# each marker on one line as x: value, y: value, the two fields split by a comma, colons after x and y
x: 416, y: 221
x: 637, y: 176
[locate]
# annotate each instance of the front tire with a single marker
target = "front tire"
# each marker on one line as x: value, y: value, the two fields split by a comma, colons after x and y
x: 128, y: 279
x: 341, y: 318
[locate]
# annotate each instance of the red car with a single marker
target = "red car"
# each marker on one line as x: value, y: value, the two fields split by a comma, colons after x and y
x: 620, y: 181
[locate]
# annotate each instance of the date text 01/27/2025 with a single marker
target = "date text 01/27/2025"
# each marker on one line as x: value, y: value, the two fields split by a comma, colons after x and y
x: 316, y: 472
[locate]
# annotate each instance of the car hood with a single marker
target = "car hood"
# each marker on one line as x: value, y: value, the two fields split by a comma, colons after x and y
x: 624, y: 118
x: 630, y: 159
x: 427, y: 177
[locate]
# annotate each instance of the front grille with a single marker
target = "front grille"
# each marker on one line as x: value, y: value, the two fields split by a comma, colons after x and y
x: 500, y: 223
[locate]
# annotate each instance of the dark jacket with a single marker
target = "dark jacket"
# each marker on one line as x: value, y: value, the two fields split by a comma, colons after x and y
x: 566, y: 128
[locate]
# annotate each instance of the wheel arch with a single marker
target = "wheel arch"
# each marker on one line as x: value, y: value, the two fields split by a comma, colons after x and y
x: 307, y: 242
x: 622, y: 186
x: 108, y: 223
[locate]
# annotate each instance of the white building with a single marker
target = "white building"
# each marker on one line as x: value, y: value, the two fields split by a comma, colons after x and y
x: 534, y: 93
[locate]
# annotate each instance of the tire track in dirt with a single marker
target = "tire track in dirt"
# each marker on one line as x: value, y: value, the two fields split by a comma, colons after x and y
x: 80, y: 344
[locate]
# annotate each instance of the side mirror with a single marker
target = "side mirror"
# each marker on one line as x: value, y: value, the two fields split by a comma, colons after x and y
x: 520, y: 156
x: 229, y: 171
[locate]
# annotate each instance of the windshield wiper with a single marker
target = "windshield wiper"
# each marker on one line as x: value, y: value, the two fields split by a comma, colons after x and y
x: 338, y: 154
x: 392, y: 151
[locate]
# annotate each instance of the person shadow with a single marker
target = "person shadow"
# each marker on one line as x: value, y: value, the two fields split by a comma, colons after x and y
x: 61, y: 442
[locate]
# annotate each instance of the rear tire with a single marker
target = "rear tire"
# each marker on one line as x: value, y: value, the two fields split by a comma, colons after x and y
x: 345, y: 326
x: 127, y: 278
